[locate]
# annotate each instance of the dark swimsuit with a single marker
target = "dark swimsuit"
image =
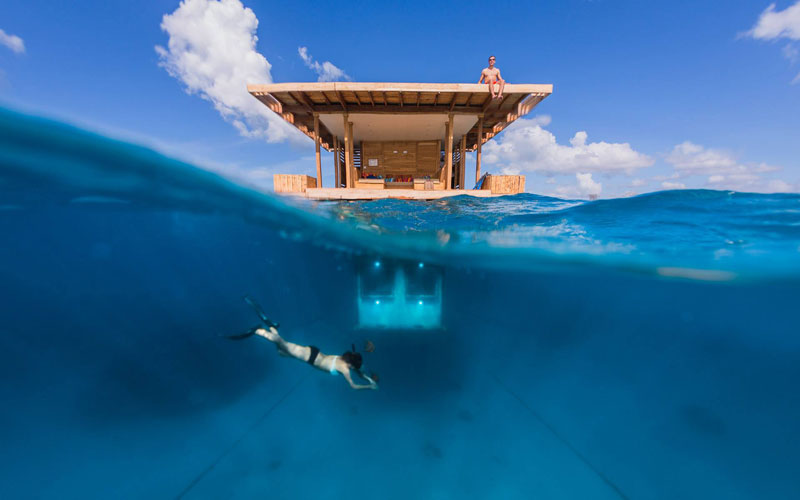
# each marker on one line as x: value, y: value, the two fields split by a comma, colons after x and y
x: 313, y: 355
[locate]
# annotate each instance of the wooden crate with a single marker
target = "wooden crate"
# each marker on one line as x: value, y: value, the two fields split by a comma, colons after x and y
x: 290, y: 183
x: 504, y: 184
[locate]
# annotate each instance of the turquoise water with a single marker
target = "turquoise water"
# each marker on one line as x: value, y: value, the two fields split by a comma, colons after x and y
x: 632, y: 348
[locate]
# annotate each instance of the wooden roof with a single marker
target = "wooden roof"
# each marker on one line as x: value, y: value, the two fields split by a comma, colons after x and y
x: 297, y: 102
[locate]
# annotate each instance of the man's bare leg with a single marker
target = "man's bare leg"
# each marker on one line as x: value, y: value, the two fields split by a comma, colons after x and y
x: 491, y: 90
x: 502, y: 85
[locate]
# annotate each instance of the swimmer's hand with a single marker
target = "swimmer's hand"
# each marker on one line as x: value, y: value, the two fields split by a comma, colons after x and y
x: 372, y: 383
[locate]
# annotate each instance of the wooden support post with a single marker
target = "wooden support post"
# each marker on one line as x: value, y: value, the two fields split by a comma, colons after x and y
x: 462, y: 168
x: 478, y: 151
x: 448, y: 155
x: 316, y: 147
x: 348, y: 161
x: 336, y: 161
x: 352, y: 172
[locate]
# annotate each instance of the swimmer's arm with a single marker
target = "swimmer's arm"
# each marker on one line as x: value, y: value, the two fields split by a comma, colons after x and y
x: 499, y: 78
x: 355, y: 386
x: 483, y: 75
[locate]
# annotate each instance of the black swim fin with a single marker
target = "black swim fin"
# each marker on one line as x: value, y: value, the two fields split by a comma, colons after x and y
x: 242, y: 336
x: 261, y: 313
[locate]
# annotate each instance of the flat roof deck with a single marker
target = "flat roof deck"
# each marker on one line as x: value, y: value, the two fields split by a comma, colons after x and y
x: 298, y: 102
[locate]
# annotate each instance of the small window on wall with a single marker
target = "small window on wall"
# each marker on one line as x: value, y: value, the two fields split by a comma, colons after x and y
x: 372, y: 162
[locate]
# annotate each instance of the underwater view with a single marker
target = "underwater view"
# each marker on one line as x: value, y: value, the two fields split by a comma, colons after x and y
x: 523, y: 346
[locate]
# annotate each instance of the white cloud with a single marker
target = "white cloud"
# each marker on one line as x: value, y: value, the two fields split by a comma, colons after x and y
x: 722, y: 168
x: 13, y: 42
x: 587, y: 185
x: 693, y: 159
x: 774, y: 24
x: 327, y: 71
x: 527, y: 147
x: 212, y: 50
x: 690, y: 158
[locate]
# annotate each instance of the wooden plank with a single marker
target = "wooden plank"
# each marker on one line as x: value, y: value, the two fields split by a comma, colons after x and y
x: 316, y: 148
x: 272, y: 88
x: 388, y: 108
x: 402, y: 194
x: 348, y: 160
x: 335, y: 161
x: 341, y: 100
x: 291, y: 183
x: 462, y: 169
x: 305, y: 101
x: 448, y: 155
x: 372, y: 101
x: 352, y: 170
x: 478, y: 154
x: 488, y: 102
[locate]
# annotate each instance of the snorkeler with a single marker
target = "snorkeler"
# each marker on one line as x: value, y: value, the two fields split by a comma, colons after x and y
x: 310, y: 354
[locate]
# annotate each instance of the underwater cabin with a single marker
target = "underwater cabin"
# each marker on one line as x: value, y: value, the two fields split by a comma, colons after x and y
x: 398, y: 140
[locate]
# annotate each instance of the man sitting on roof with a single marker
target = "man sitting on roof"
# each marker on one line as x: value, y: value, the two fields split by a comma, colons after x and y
x: 491, y: 76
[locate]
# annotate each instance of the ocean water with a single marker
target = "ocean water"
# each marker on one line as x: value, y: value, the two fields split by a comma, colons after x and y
x: 639, y: 348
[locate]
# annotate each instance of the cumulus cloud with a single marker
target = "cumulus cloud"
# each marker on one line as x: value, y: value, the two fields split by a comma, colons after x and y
x: 13, y: 42
x: 779, y: 24
x: 774, y: 24
x: 326, y: 71
x: 722, y: 168
x: 527, y: 147
x: 587, y: 185
x: 212, y: 50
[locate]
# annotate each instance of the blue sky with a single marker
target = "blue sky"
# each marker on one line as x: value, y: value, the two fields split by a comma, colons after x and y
x: 648, y: 95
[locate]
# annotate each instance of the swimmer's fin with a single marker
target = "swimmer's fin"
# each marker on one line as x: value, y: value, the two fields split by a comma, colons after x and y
x: 241, y: 336
x: 261, y: 313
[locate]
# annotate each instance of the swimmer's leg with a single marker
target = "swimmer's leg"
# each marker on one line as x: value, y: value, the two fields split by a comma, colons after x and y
x: 284, y: 348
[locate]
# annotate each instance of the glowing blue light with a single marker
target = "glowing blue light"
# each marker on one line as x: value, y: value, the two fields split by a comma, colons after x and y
x: 377, y: 302
x: 377, y: 263
x: 421, y: 265
x: 420, y: 302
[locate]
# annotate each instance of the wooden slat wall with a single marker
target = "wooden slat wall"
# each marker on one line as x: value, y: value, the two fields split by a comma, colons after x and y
x: 504, y: 184
x: 290, y: 183
x: 413, y: 158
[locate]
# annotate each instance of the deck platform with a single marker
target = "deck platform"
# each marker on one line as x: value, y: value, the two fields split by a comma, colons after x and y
x: 379, y: 194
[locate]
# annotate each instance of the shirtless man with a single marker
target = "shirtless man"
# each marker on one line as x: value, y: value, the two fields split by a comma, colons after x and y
x: 491, y: 76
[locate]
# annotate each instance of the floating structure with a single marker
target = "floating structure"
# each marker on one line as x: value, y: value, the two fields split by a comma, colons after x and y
x: 398, y: 140
x: 398, y: 294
